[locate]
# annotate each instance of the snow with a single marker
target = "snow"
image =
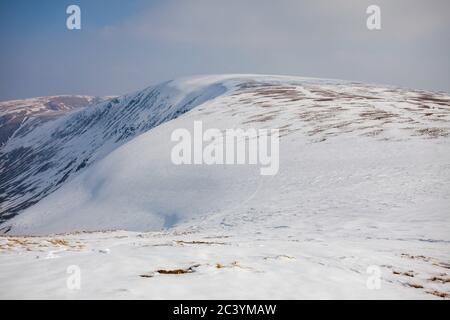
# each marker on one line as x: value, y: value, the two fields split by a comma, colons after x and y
x: 42, y: 157
x: 48, y: 104
x: 17, y: 114
x: 362, y: 182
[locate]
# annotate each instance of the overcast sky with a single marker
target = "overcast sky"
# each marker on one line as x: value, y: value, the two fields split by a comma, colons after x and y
x: 126, y: 45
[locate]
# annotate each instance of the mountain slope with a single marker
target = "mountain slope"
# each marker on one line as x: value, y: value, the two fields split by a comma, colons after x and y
x: 132, y: 183
x: 14, y: 113
x: 358, y: 209
x: 41, y: 157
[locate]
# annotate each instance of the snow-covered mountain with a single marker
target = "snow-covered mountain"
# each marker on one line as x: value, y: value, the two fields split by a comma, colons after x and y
x: 14, y: 113
x: 112, y: 177
x: 363, y: 181
x: 42, y: 156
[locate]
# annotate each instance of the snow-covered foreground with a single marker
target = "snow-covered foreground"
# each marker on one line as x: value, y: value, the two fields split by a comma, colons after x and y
x: 362, y: 186
x: 253, y: 260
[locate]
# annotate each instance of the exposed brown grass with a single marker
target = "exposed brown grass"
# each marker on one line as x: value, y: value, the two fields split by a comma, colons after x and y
x: 439, y: 294
x: 417, y: 257
x: 377, y: 115
x: 175, y: 271
x: 59, y: 242
x: 440, y: 279
x: 406, y: 273
x: 433, y: 132
x: 414, y: 285
x: 179, y: 271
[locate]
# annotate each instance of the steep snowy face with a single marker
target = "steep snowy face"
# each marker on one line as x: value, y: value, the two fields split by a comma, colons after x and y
x: 14, y: 113
x: 43, y: 155
x: 342, y: 146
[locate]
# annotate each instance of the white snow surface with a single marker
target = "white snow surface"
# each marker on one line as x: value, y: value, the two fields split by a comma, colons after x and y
x: 48, y: 104
x: 363, y: 181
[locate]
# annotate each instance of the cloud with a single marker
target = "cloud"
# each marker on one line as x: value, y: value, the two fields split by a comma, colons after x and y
x: 316, y: 38
x: 257, y: 24
x: 172, y: 38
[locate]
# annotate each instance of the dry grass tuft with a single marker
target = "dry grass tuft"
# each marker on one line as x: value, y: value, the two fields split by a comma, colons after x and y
x: 58, y: 242
x: 175, y: 271
x: 191, y: 269
x: 440, y: 279
x: 443, y: 295
x: 414, y: 285
x: 406, y: 273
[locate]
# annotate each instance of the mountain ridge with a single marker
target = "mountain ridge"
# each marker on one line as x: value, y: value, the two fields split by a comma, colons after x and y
x: 305, y: 110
